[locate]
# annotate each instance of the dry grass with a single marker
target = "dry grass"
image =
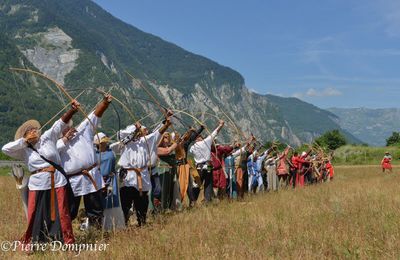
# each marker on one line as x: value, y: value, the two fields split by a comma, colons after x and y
x: 356, y: 216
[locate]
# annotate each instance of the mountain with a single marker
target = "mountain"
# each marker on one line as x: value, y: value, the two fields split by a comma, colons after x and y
x: 83, y: 47
x: 372, y: 126
x: 308, y: 120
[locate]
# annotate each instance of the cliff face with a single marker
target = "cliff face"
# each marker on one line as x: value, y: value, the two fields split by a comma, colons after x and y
x: 82, y: 46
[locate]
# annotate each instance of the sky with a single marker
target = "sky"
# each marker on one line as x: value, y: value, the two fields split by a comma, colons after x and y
x: 328, y: 53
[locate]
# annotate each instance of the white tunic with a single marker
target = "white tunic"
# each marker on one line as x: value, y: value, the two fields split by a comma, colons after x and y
x: 79, y: 154
x: 153, y: 151
x: 46, y: 146
x: 136, y: 155
x: 202, y: 150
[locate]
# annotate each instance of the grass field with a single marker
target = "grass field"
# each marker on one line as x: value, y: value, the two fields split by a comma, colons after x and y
x: 356, y: 216
x: 364, y: 155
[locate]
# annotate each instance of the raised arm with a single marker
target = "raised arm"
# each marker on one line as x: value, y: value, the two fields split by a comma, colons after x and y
x: 68, y: 115
x: 162, y: 151
x: 103, y: 105
x: 218, y: 129
x: 211, y: 137
x: 165, y: 126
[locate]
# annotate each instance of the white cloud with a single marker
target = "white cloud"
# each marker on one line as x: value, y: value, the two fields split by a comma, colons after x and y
x: 312, y: 92
x: 388, y: 12
x: 327, y: 92
x: 392, y: 19
x: 298, y: 95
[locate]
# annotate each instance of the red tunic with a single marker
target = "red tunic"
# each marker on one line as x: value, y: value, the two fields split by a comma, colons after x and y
x: 281, y: 167
x: 329, y: 167
x: 300, y: 174
x: 386, y: 163
x: 217, y: 160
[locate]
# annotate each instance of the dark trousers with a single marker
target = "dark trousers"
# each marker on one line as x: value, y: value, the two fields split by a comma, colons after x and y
x: 93, y: 207
x: 167, y: 180
x: 207, y: 178
x: 190, y: 190
x: 309, y: 178
x: 293, y: 176
x: 156, y: 186
x: 140, y: 203
x: 264, y: 178
x: 245, y: 179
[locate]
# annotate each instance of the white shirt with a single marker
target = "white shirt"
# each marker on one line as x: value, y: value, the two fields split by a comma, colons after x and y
x: 239, y: 151
x: 46, y: 146
x: 153, y: 152
x: 79, y: 154
x: 201, y: 150
x: 136, y: 155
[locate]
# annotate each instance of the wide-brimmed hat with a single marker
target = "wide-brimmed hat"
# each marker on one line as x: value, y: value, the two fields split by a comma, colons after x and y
x: 102, y: 137
x: 26, y: 126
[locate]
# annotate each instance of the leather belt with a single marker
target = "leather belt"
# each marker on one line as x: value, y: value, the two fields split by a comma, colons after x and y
x: 181, y: 161
x: 85, y: 172
x: 51, y: 170
x: 139, y: 178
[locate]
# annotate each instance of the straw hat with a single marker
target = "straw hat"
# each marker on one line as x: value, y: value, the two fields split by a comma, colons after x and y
x: 26, y: 126
x: 103, y: 138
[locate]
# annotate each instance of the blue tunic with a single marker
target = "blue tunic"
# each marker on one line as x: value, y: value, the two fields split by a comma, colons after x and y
x: 107, y: 169
x: 230, y: 169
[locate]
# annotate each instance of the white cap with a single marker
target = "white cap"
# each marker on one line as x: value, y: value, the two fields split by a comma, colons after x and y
x: 303, y: 154
x: 100, y: 137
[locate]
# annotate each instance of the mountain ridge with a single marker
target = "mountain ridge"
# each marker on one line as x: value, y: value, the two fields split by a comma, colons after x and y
x: 84, y: 46
x: 372, y: 126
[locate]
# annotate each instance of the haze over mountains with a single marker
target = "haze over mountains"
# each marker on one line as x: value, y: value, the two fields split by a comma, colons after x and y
x: 82, y: 46
x: 372, y: 126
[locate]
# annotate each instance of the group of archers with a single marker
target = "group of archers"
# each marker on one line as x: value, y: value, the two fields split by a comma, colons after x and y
x: 155, y: 172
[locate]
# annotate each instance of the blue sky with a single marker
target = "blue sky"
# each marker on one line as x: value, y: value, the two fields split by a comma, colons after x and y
x: 329, y: 53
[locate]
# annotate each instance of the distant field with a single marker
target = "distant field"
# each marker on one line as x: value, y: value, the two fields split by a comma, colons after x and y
x: 356, y: 216
x: 5, y: 171
x: 363, y: 155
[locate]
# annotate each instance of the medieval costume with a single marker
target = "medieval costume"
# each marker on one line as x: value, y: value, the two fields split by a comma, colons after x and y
x: 301, y: 167
x: 80, y: 163
x: 170, y: 195
x: 251, y: 173
x: 201, y: 151
x: 329, y: 168
x: 134, y: 161
x: 113, y: 215
x: 232, y: 168
x: 155, y: 194
x: 254, y: 168
x: 386, y: 162
x: 242, y: 172
x: 186, y: 178
x: 218, y: 153
x: 272, y: 177
x: 48, y: 212
x: 282, y: 168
